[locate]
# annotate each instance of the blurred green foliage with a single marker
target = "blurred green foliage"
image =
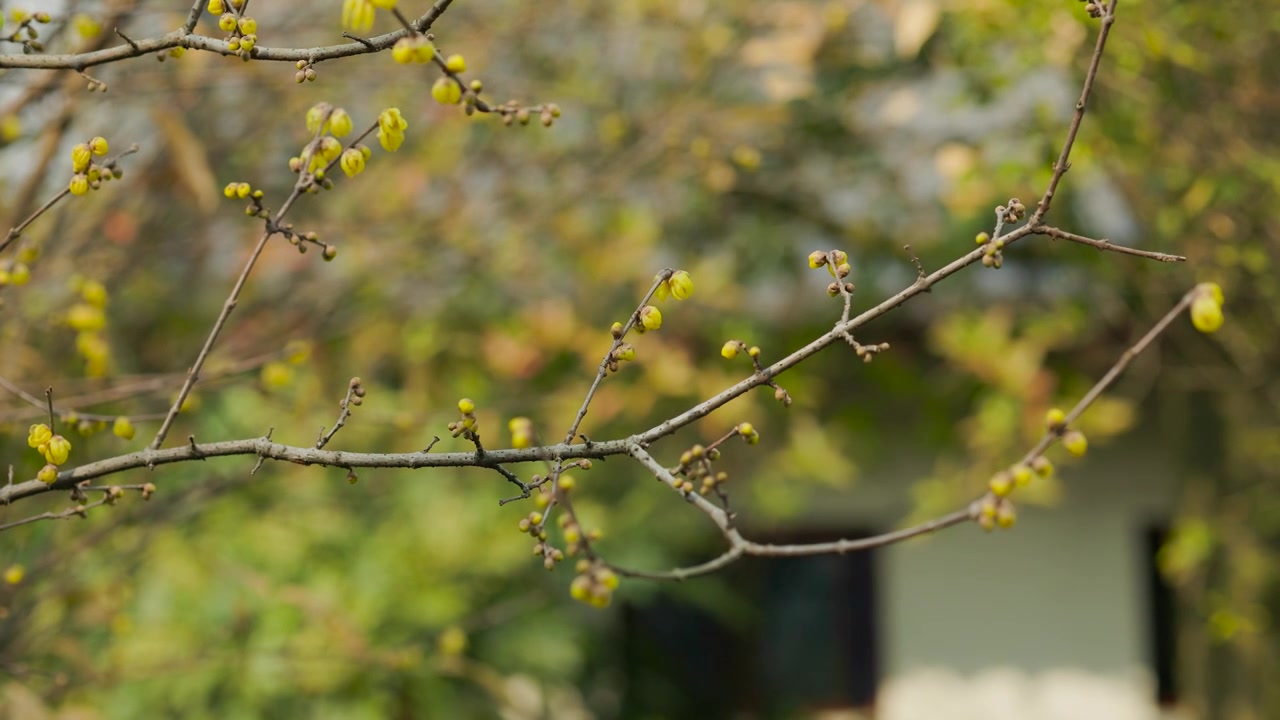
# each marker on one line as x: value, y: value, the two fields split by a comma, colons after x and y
x: 726, y: 138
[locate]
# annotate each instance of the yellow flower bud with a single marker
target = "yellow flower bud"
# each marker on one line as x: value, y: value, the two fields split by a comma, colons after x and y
x: 456, y: 63
x: 38, y: 435
x: 1001, y: 484
x: 1005, y: 515
x: 123, y: 428
x: 681, y: 285
x: 1206, y: 314
x: 384, y: 4
x: 466, y: 406
x: 650, y: 317
x: 446, y: 91
x: 1055, y: 418
x: 80, y: 157
x: 580, y: 588
x: 56, y: 450
x: 1042, y: 466
x: 352, y: 162
x: 248, y: 26
x: 98, y: 145
x: 403, y: 51
x: 391, y: 120
x: 19, y: 274
x: 330, y: 148
x: 14, y: 574
x: 390, y: 141
x: 626, y: 352
x: 1075, y: 443
x: 1214, y: 290
x: 423, y: 51
x: 339, y: 123
x: 227, y: 22
x: 243, y: 190
x: 730, y: 350
x: 215, y: 7
x: 817, y: 259
x: 1021, y: 475
x: 48, y: 474
x: 315, y: 115
x: 79, y: 184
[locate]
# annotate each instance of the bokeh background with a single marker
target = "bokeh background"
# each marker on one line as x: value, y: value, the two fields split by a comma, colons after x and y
x: 729, y: 139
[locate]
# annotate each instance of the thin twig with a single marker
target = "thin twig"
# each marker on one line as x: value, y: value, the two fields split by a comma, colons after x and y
x: 1106, y: 245
x: 1064, y: 157
x: 603, y: 370
x: 184, y: 37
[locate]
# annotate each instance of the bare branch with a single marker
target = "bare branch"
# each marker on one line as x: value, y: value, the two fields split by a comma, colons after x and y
x: 184, y: 37
x: 1106, y: 245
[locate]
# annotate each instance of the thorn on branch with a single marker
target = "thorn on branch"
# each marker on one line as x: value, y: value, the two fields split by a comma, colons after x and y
x: 434, y: 439
x: 127, y: 39
x: 915, y: 260
x: 360, y: 40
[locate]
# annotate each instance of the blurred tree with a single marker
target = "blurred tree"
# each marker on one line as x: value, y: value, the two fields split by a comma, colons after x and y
x: 729, y: 139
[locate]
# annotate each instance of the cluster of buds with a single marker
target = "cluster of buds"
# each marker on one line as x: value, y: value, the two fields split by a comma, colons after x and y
x: 1073, y: 440
x: 513, y: 112
x: 748, y: 433
x: 1012, y: 211
x: 1093, y: 7
x: 87, y: 174
x: 468, y: 425
x: 550, y: 555
x: 522, y: 433
x: 678, y: 286
x: 993, y: 511
x: 531, y: 524
x: 306, y: 72
x: 245, y: 191
x: 26, y: 27
x: 242, y: 30
x: 53, y: 448
x: 624, y: 352
x: 575, y: 537
x: 695, y: 467
x: 327, y: 123
x: 356, y: 392
x: 866, y: 352
x: 992, y: 257
x: 594, y: 584
x: 837, y: 263
x: 1206, y: 307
